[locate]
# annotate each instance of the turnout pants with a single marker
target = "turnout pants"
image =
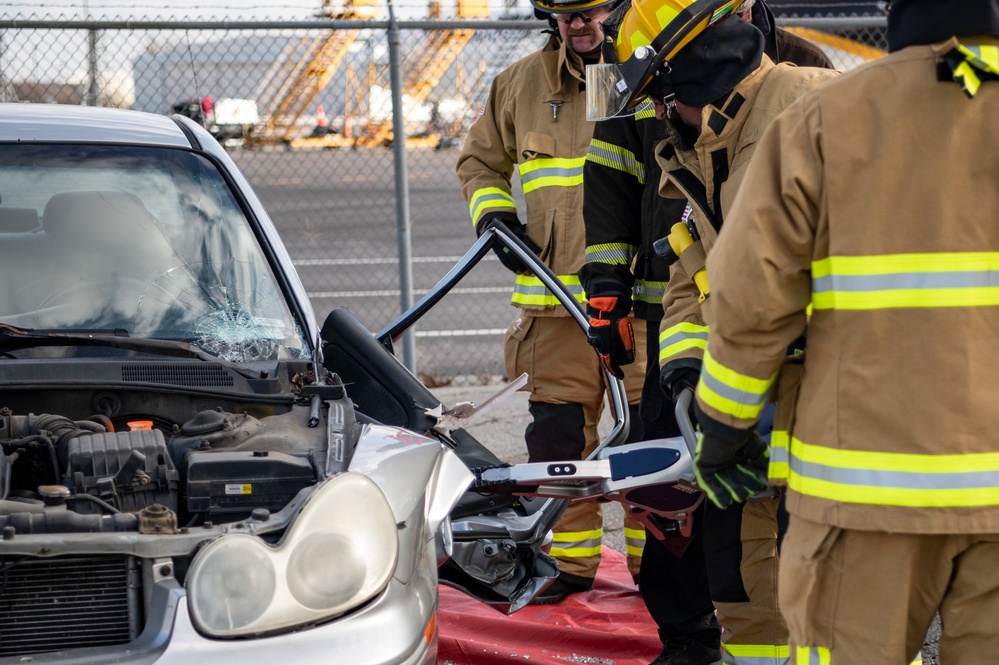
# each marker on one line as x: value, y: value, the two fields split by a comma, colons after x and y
x: 674, y: 575
x: 868, y: 597
x: 741, y: 550
x: 567, y: 390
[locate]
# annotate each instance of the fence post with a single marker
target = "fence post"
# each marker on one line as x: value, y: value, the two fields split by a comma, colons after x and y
x: 403, y: 222
x: 92, y: 96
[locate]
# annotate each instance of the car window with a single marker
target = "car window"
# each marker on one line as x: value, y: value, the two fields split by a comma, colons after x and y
x: 146, y: 240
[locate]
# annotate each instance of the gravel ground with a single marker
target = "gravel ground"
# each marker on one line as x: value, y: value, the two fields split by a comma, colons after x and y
x: 502, y: 431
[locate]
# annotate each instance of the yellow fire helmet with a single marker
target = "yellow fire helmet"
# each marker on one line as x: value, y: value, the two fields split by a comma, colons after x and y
x: 642, y: 37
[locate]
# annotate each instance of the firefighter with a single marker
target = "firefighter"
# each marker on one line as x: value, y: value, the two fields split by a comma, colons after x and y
x: 874, y: 200
x: 624, y: 216
x: 711, y: 84
x: 534, y: 123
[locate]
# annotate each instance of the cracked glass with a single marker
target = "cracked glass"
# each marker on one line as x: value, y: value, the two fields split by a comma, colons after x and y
x: 148, y: 242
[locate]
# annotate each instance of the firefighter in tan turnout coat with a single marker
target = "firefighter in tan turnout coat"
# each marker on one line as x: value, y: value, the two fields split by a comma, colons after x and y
x: 873, y: 199
x: 534, y: 125
x: 721, y: 93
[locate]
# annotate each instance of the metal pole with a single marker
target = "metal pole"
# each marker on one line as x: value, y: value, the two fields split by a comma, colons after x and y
x: 403, y: 227
x: 92, y: 52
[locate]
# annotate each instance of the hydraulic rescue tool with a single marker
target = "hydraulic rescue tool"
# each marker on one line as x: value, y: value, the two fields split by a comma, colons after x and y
x: 654, y: 479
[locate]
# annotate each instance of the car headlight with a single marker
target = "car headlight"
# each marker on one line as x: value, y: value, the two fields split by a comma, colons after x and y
x: 340, y: 552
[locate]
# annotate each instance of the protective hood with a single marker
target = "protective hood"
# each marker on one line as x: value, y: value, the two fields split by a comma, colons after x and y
x: 715, y: 61
x: 912, y: 22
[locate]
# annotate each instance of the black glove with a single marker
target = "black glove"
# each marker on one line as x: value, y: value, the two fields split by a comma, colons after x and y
x: 611, y: 332
x: 675, y: 381
x: 510, y: 221
x: 730, y: 469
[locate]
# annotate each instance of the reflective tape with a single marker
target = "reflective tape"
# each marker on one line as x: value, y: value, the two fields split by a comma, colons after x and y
x: 779, y: 456
x: 812, y: 656
x: 615, y: 157
x: 893, y: 479
x: 681, y: 337
x: 576, y: 544
x: 738, y: 395
x: 649, y: 292
x: 488, y: 198
x: 530, y: 290
x: 646, y: 111
x: 551, y: 172
x: 966, y: 279
x: 755, y: 654
x: 970, y: 66
x: 634, y: 541
x: 611, y: 253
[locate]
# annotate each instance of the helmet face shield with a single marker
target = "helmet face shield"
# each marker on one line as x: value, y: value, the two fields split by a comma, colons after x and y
x: 610, y: 87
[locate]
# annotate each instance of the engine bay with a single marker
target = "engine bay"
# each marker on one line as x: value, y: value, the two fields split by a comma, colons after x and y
x: 152, y: 460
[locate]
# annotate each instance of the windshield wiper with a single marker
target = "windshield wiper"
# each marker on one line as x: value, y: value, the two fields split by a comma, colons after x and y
x: 12, y: 337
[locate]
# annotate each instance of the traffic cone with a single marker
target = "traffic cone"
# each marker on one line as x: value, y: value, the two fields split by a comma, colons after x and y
x: 321, y: 120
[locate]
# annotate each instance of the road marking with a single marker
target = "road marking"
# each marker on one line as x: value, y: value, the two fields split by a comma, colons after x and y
x: 387, y: 259
x: 390, y: 292
x: 481, y: 332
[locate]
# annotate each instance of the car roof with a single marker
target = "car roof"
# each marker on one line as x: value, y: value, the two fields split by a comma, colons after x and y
x: 62, y: 123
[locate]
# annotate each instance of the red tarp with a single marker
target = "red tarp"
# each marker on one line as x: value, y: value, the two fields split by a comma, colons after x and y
x: 607, y: 625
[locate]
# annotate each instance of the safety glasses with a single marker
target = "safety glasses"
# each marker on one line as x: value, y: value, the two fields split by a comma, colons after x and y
x: 586, y: 16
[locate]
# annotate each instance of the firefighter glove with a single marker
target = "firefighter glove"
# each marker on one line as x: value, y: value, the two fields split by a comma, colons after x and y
x: 675, y: 381
x: 510, y: 221
x: 731, y: 470
x: 610, y: 332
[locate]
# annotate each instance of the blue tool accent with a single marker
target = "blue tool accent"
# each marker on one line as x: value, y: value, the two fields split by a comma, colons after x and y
x: 641, y: 462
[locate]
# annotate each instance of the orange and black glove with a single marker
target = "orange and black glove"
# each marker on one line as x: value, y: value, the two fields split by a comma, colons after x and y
x: 512, y: 222
x: 610, y: 331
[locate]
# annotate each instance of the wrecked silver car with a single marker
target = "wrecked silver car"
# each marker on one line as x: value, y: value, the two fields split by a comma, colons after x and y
x: 183, y: 476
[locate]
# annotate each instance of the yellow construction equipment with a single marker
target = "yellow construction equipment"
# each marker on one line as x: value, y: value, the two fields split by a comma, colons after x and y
x: 424, y: 69
x: 296, y: 93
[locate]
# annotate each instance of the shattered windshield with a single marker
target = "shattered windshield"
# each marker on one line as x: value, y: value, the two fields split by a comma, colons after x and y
x: 148, y: 242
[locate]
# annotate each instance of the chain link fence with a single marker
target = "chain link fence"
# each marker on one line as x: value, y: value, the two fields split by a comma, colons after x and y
x: 306, y: 111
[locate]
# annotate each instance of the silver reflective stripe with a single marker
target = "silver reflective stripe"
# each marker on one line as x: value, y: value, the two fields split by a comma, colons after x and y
x: 610, y: 253
x: 550, y: 172
x: 682, y: 336
x: 907, y: 280
x: 616, y: 157
x: 740, y: 397
x: 649, y: 292
x: 912, y: 480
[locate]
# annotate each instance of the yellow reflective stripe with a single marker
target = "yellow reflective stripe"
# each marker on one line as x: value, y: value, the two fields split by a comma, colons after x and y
x: 530, y: 290
x: 681, y: 337
x: 756, y: 654
x: 611, y: 253
x: 574, y: 552
x: 959, y: 279
x: 812, y: 656
x: 634, y: 541
x: 738, y: 395
x: 779, y: 455
x: 551, y: 172
x: 488, y: 198
x: 646, y: 111
x: 894, y: 479
x: 576, y: 544
x: 615, y: 157
x: 649, y: 291
x: 976, y: 60
x: 918, y: 659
